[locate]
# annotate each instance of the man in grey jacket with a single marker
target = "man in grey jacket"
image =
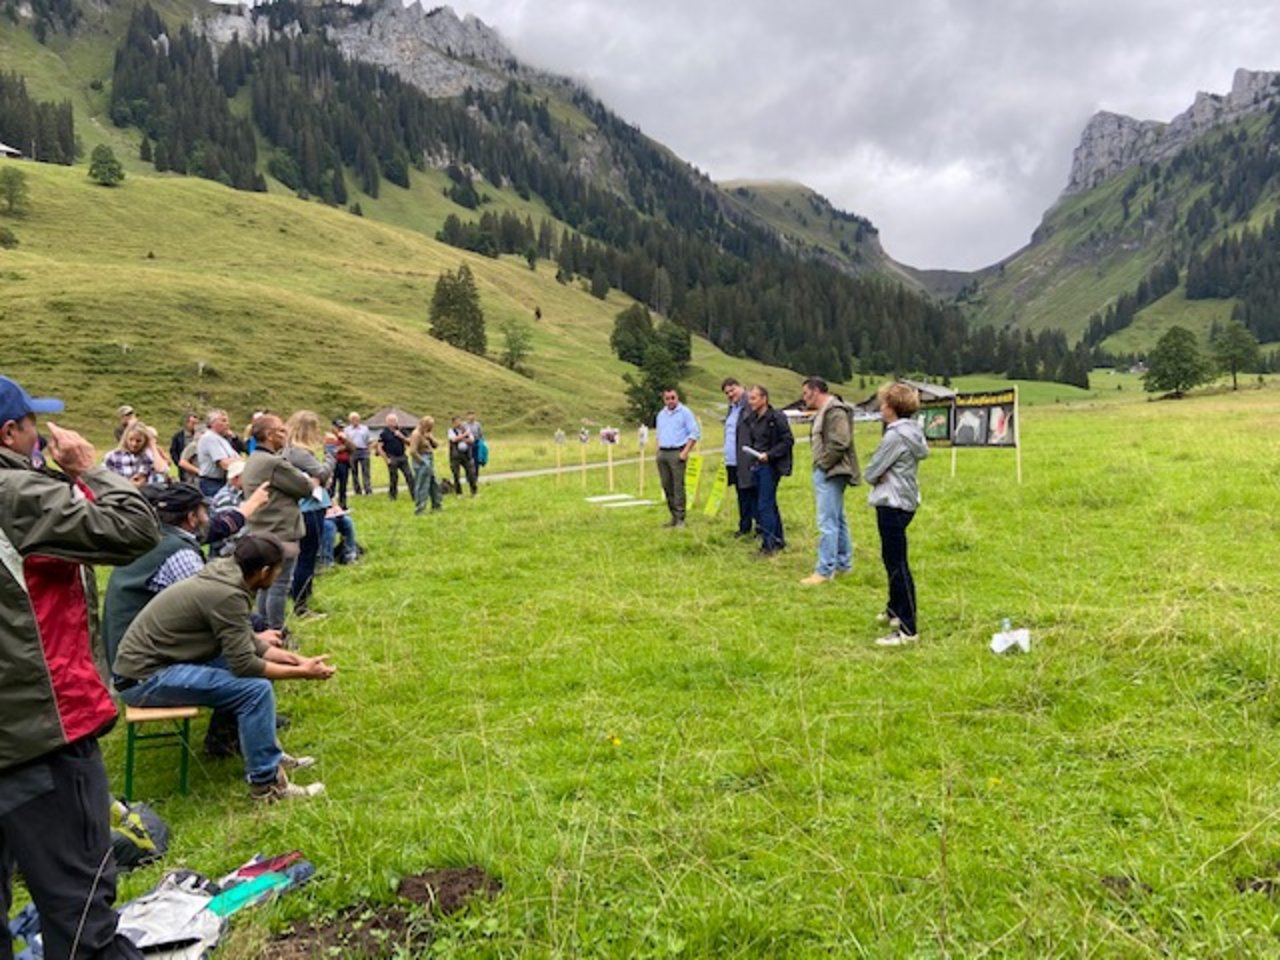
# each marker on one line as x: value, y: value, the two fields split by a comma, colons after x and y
x: 281, y: 517
x: 835, y: 466
x: 54, y: 801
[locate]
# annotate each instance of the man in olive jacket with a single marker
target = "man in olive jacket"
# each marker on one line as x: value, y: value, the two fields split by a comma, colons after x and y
x: 281, y: 517
x: 835, y: 466
x: 54, y: 801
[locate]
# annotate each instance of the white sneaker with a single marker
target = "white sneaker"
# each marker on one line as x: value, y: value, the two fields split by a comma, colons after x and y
x: 896, y: 638
x: 289, y: 762
x: 282, y: 789
x: 885, y: 620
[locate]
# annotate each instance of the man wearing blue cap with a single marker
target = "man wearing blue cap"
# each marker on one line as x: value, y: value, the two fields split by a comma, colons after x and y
x: 54, y: 801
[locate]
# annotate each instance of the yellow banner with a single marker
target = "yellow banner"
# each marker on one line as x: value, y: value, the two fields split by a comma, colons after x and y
x: 716, y: 497
x: 692, y: 474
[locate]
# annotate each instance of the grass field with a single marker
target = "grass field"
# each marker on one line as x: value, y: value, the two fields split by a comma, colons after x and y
x: 665, y: 747
x: 173, y: 293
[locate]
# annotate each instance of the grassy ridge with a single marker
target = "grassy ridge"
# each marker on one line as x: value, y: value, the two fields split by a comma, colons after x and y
x: 121, y: 294
x: 777, y: 785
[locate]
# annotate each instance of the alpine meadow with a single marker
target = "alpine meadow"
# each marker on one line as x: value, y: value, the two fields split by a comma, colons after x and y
x: 564, y: 719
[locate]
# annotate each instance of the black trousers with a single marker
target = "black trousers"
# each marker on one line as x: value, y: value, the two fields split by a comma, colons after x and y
x: 893, y: 525
x: 397, y: 466
x: 338, y: 485
x: 61, y: 842
x: 466, y: 463
x: 746, y: 501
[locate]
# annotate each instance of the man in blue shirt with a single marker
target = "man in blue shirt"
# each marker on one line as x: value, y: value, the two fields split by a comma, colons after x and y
x: 737, y: 398
x: 677, y: 434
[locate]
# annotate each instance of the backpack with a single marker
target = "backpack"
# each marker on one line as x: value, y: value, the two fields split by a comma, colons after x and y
x: 482, y: 453
x: 138, y: 835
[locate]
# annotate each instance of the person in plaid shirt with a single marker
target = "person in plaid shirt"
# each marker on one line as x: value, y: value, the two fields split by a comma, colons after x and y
x: 137, y: 458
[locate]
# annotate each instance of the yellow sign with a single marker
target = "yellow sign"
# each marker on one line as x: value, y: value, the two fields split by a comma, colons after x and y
x: 716, y: 497
x: 692, y: 474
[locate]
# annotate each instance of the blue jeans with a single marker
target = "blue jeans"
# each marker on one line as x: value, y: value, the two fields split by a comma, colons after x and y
x: 426, y: 488
x: 768, y: 519
x: 211, y: 684
x: 273, y: 602
x: 304, y: 573
x: 332, y: 527
x: 835, y: 551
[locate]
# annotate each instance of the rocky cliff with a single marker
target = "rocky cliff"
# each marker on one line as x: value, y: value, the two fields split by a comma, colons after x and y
x: 1112, y: 142
x: 434, y: 49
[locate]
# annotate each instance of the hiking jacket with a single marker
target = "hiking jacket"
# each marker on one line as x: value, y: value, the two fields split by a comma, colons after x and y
x: 901, y: 448
x: 51, y: 690
x: 831, y: 437
x: 281, y: 514
x: 768, y: 433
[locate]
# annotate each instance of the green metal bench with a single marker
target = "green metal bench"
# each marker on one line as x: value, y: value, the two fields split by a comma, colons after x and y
x: 179, y: 717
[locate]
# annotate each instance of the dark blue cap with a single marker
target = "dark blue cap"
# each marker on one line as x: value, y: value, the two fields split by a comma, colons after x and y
x: 16, y: 403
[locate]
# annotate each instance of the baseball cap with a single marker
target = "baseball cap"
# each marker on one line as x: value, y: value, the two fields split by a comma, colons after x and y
x: 174, y: 498
x: 125, y: 411
x: 234, y: 469
x: 16, y: 403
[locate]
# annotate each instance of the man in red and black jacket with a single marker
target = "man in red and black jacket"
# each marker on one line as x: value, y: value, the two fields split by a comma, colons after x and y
x: 54, y: 801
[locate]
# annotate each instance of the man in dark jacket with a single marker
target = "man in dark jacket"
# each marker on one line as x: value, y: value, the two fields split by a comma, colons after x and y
x: 54, y: 801
x: 765, y: 442
x: 185, y: 436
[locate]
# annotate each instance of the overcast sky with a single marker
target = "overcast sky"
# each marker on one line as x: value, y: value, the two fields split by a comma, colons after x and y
x: 950, y: 123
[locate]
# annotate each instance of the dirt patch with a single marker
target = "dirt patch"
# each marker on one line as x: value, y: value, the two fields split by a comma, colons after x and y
x: 372, y: 933
x: 1268, y: 883
x: 365, y: 933
x: 447, y: 891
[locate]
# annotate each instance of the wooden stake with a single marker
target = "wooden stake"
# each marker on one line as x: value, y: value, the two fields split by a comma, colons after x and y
x: 1017, y: 428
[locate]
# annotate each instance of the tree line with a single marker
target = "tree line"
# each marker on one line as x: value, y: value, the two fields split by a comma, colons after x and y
x: 664, y: 236
x: 44, y: 131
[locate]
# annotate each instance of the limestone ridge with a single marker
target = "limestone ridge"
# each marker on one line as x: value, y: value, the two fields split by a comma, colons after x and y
x: 1112, y: 142
x: 434, y: 49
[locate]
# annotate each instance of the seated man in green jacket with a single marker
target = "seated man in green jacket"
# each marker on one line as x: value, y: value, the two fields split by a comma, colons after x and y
x: 194, y: 644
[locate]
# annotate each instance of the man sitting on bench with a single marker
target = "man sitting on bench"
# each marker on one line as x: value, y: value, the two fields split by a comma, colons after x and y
x: 193, y: 645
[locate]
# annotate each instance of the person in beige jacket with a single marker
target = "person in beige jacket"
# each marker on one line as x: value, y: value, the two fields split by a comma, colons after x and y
x: 835, y: 466
x: 281, y: 517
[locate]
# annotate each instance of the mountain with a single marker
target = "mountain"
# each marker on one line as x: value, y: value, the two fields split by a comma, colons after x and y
x: 1145, y: 201
x: 357, y: 107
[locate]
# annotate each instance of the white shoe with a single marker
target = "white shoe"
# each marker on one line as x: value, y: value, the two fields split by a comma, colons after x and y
x: 289, y: 762
x: 896, y: 638
x: 885, y: 620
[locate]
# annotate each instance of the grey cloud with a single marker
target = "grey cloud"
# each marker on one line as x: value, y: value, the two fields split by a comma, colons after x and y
x: 949, y: 122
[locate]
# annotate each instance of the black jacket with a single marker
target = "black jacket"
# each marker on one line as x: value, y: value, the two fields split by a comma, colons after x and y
x: 767, y: 433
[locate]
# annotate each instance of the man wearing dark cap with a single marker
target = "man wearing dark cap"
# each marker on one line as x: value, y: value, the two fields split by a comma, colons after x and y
x: 54, y: 801
x: 194, y: 644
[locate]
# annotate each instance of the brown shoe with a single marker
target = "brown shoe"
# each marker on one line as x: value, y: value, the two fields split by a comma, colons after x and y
x: 814, y: 579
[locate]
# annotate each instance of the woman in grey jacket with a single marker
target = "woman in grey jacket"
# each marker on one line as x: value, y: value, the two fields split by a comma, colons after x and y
x: 895, y: 493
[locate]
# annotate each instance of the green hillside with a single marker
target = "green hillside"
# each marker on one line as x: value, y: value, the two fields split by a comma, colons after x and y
x: 123, y: 294
x: 1092, y: 248
x: 810, y: 223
